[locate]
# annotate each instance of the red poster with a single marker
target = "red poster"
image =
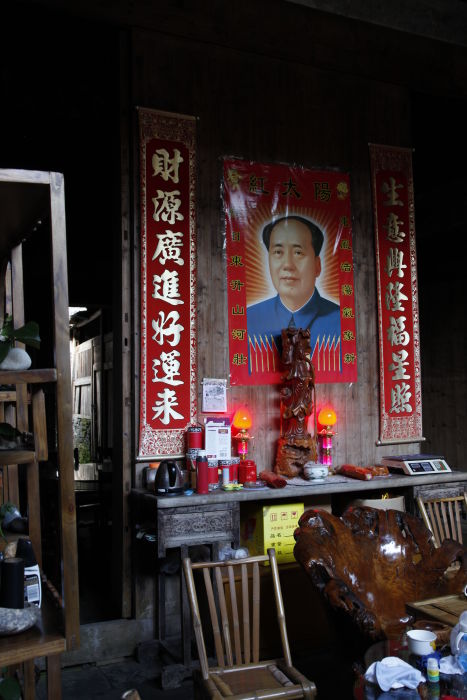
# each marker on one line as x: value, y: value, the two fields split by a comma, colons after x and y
x: 399, y: 339
x: 168, y: 385
x: 289, y: 263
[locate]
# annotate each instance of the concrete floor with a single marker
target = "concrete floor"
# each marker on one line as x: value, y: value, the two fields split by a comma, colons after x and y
x: 110, y: 681
x: 334, y: 679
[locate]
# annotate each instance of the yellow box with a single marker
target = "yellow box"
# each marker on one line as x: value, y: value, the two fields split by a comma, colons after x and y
x: 270, y: 526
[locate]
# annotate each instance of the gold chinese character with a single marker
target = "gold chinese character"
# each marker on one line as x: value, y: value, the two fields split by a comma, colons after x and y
x: 397, y: 335
x: 392, y: 226
x: 394, y: 261
x: 345, y: 244
x: 347, y: 290
x: 394, y: 297
x: 233, y: 178
x: 348, y: 335
x: 236, y: 261
x: 390, y: 189
x: 398, y: 365
x: 165, y: 166
x: 400, y: 397
x: 346, y: 267
x: 238, y: 334
x: 239, y: 359
x: 347, y: 312
x: 342, y: 191
x: 238, y: 310
x: 236, y: 285
x: 349, y: 358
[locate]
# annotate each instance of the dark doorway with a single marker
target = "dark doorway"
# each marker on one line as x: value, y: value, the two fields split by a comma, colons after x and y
x: 59, y: 80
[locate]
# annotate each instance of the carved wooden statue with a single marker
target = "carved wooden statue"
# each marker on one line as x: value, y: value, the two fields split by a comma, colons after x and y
x: 371, y: 562
x: 296, y: 446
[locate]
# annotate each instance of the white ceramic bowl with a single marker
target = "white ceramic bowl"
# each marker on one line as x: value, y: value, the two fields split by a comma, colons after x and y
x: 421, y: 642
x: 315, y: 471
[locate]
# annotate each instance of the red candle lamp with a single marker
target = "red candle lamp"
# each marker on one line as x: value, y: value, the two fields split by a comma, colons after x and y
x: 242, y: 421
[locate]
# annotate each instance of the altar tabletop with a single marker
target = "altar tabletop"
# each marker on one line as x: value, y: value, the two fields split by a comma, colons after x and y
x: 331, y: 485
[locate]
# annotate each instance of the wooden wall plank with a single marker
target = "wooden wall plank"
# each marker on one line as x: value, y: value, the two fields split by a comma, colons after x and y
x: 257, y: 107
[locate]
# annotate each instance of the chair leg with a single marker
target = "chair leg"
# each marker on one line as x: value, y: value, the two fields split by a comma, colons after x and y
x: 29, y: 679
x: 185, y: 613
x: 54, y: 677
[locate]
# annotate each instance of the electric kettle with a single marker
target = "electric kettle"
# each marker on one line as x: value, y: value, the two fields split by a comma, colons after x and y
x: 169, y: 479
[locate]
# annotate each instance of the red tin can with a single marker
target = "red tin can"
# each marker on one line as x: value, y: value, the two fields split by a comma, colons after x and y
x: 194, y: 437
x: 213, y: 469
x: 247, y: 471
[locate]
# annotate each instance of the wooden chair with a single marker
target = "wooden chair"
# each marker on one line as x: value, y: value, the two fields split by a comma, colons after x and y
x: 239, y: 673
x: 442, y: 512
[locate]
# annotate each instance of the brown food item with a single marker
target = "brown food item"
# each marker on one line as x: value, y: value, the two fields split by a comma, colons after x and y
x: 273, y: 480
x: 378, y: 469
x: 355, y: 472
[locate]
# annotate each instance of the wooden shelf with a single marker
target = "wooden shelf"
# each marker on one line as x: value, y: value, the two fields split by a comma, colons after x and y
x: 25, y: 198
x: 42, y: 639
x: 27, y: 376
x: 16, y: 457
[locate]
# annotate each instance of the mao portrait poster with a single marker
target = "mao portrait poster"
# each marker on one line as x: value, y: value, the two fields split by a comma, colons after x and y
x: 168, y: 379
x: 289, y: 263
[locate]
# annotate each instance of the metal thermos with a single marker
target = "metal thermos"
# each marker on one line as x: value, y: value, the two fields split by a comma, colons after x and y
x: 202, y: 472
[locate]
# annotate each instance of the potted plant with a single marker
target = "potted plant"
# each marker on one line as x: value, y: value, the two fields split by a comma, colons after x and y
x: 12, y: 357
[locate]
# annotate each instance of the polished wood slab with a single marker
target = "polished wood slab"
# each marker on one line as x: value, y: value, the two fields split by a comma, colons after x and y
x: 446, y: 609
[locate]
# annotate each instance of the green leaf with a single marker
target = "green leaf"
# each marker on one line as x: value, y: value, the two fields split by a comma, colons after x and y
x: 28, y: 334
x: 10, y: 689
x: 7, y: 328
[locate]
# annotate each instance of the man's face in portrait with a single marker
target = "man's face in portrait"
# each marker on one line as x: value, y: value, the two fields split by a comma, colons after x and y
x: 293, y: 264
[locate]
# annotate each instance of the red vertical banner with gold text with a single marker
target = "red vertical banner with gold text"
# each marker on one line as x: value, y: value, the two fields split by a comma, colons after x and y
x: 396, y: 268
x: 168, y: 380
x: 304, y: 280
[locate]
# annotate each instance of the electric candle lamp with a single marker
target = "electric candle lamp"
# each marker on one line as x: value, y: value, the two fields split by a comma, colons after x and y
x: 242, y: 421
x: 326, y: 418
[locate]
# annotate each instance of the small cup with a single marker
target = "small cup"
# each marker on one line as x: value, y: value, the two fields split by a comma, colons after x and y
x: 421, y: 642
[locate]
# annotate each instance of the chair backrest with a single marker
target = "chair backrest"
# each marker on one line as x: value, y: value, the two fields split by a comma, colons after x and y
x: 234, y: 603
x: 442, y: 515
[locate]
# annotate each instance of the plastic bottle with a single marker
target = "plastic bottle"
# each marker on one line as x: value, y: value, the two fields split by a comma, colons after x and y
x: 458, y: 629
x: 461, y: 655
x: 432, y: 670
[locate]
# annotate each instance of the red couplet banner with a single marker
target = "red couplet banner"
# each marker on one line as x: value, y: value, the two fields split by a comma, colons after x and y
x: 168, y: 380
x: 399, y: 337
x: 289, y: 263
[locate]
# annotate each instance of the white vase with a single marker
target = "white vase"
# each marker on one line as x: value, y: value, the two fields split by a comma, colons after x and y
x: 17, y: 359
